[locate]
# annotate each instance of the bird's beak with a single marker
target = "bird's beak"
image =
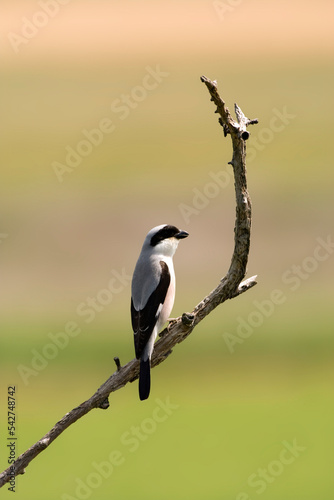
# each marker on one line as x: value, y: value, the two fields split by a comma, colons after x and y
x: 181, y: 235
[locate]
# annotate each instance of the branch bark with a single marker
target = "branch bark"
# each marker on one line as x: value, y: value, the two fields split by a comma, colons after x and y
x: 230, y: 286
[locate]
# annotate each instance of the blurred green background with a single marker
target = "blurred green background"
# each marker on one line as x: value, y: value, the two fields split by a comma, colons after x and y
x: 257, y: 375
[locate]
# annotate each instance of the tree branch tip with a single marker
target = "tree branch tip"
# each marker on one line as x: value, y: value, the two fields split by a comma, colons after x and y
x: 247, y: 284
x: 206, y: 80
x: 117, y: 363
x: 237, y: 109
x: 252, y: 278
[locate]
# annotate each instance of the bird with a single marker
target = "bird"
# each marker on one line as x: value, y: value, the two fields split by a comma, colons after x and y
x: 152, y: 295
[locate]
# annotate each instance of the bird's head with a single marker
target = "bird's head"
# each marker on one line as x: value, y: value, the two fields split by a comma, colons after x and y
x: 164, y: 239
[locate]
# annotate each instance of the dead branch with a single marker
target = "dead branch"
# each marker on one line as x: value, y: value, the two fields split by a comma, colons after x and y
x: 230, y: 286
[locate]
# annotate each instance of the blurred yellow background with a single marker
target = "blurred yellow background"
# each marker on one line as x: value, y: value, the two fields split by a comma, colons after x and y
x: 106, y: 132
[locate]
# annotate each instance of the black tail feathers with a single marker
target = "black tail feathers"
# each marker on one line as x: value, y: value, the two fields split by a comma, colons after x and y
x: 144, y: 379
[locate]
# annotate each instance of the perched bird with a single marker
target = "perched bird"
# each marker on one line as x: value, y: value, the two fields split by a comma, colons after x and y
x: 153, y: 293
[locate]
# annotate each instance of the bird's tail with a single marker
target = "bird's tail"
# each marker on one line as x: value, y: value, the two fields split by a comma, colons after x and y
x: 144, y: 379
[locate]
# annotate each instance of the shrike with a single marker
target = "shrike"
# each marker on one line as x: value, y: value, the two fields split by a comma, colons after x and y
x: 153, y: 293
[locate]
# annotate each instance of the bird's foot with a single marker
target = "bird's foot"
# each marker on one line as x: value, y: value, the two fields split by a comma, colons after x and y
x: 172, y: 322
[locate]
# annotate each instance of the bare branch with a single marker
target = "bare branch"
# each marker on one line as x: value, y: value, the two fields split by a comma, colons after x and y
x: 178, y: 330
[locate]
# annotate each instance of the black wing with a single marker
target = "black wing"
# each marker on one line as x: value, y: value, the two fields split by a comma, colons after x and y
x: 144, y: 321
